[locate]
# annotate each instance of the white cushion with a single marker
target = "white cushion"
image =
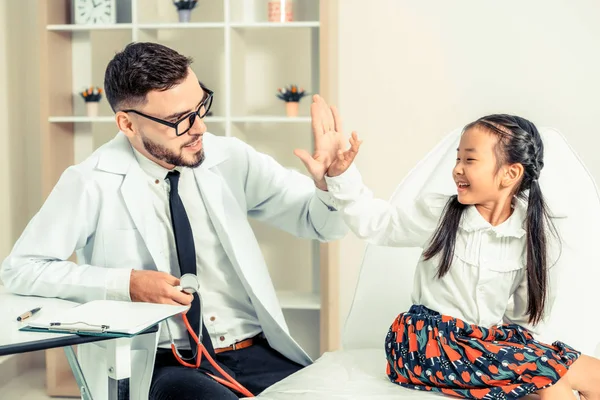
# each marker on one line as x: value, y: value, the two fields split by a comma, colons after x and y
x: 348, y: 374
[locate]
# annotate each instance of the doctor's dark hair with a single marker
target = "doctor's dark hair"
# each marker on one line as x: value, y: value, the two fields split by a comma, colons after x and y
x: 139, y: 69
x: 518, y: 142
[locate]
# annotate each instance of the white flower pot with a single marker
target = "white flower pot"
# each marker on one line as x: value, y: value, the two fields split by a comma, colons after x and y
x: 184, y: 15
x: 92, y: 108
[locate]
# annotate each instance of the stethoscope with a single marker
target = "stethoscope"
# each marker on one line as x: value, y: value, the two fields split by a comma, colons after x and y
x: 189, y: 284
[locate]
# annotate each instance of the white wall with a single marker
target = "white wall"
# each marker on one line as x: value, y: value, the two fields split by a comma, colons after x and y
x: 5, y: 220
x: 411, y: 71
x: 19, y: 131
x: 19, y: 147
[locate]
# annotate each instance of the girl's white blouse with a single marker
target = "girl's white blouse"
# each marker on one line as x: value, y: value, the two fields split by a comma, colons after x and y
x: 489, y: 261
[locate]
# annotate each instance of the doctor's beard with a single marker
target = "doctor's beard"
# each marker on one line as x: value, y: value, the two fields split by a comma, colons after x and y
x: 160, y: 152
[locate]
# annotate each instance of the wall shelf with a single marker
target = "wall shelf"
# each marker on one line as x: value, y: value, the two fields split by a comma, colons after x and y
x: 291, y: 300
x: 81, y: 119
x: 270, y: 119
x: 274, y: 25
x: 176, y: 25
x: 66, y: 119
x: 75, y: 27
x: 189, y: 25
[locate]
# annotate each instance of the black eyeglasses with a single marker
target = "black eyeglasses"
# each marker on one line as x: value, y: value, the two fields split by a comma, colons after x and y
x: 185, y: 123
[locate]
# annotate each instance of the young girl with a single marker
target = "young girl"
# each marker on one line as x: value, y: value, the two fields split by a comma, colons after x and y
x: 490, y: 241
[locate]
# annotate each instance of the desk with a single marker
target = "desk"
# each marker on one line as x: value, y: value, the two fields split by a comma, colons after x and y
x: 13, y: 341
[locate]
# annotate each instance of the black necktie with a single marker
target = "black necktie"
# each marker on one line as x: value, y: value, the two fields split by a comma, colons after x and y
x: 186, y: 254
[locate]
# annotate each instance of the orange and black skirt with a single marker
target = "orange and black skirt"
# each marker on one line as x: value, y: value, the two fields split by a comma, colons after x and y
x: 433, y: 352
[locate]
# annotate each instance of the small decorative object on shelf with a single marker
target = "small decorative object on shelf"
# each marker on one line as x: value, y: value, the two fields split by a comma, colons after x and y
x: 94, y: 11
x: 292, y: 96
x: 280, y: 11
x: 184, y: 9
x: 92, y: 97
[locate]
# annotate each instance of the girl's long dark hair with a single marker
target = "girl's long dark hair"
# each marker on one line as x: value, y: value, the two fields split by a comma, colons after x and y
x: 519, y: 142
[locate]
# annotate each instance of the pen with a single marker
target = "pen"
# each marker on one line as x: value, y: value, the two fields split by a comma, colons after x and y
x: 78, y: 322
x: 28, y: 314
x: 72, y: 327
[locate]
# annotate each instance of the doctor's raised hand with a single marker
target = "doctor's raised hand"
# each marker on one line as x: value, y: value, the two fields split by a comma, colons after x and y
x: 328, y: 140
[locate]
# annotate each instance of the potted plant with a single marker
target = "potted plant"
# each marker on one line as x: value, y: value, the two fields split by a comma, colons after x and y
x: 92, y: 97
x: 292, y: 96
x: 184, y: 9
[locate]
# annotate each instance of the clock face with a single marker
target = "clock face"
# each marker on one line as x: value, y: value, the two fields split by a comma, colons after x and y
x: 94, y: 11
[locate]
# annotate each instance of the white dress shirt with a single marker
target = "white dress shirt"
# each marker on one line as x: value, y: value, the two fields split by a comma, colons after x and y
x: 489, y: 261
x: 227, y: 311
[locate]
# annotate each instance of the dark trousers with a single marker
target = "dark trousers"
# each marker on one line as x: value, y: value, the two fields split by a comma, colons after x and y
x: 256, y: 368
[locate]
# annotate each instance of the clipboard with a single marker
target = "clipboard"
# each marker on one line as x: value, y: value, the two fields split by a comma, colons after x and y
x: 106, y: 318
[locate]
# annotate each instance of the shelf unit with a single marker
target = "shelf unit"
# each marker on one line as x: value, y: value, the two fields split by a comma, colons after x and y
x: 177, y: 25
x: 244, y: 59
x: 250, y: 119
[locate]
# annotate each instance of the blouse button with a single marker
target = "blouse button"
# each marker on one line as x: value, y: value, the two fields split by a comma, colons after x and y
x: 222, y: 338
x: 212, y: 318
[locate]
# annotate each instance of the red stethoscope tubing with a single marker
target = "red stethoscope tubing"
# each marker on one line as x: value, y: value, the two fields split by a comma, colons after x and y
x: 228, y: 381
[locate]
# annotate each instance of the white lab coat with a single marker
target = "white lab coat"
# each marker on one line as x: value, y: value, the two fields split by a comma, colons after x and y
x: 101, y: 209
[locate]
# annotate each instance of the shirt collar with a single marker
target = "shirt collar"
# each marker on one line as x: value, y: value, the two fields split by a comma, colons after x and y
x: 513, y: 227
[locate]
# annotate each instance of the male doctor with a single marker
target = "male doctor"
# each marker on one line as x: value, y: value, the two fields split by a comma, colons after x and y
x: 165, y: 197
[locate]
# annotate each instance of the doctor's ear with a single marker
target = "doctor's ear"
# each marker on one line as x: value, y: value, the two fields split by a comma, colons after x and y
x: 125, y: 123
x: 512, y: 174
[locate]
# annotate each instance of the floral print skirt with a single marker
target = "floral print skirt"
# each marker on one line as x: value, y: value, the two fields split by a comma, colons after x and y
x: 433, y: 352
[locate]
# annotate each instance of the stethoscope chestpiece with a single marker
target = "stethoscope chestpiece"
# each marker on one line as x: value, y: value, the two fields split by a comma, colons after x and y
x: 189, y: 283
